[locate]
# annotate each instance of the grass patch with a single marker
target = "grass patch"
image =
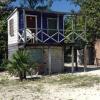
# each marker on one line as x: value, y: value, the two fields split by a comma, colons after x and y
x: 6, y: 82
x: 60, y: 79
x: 72, y: 80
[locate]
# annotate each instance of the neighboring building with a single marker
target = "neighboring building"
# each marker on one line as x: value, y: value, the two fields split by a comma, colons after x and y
x: 97, y: 52
x: 41, y: 33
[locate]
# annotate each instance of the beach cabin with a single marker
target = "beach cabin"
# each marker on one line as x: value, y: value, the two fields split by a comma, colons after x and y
x: 41, y: 33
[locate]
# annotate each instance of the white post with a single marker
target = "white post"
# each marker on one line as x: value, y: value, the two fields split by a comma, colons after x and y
x: 63, y: 26
x: 49, y: 51
x: 58, y: 26
x: 24, y: 21
x: 42, y: 25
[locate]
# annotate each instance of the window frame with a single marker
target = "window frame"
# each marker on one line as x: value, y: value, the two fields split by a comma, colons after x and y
x: 35, y: 22
x: 11, y: 27
x: 50, y: 19
x: 48, y: 25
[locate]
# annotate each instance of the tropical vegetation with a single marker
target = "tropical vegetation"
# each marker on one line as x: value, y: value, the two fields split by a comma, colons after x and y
x: 21, y: 64
x: 91, y: 9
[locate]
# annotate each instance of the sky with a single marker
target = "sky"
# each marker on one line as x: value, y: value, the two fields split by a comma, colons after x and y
x: 62, y: 6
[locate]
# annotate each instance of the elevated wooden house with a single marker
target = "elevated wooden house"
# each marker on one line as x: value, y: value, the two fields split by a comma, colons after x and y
x: 41, y: 33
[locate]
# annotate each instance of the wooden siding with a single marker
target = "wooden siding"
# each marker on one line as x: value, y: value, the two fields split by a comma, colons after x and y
x: 13, y: 39
x: 57, y: 59
x: 11, y: 50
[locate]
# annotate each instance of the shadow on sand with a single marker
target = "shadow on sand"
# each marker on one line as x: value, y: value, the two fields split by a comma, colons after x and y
x: 68, y: 69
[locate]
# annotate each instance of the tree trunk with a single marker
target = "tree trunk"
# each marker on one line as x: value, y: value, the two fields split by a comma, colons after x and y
x: 85, y: 58
x: 24, y: 75
x: 20, y: 76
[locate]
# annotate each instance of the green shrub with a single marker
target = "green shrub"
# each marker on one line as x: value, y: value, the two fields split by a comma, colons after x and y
x: 3, y: 66
x: 20, y: 64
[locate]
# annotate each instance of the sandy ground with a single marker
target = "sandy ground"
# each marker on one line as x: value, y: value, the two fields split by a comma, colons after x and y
x: 49, y: 92
x: 46, y: 91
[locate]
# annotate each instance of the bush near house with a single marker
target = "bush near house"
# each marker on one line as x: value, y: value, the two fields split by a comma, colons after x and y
x: 3, y: 65
x: 21, y: 64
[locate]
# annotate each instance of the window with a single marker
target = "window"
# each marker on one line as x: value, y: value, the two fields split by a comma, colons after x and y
x: 31, y: 23
x: 11, y: 27
x: 52, y: 26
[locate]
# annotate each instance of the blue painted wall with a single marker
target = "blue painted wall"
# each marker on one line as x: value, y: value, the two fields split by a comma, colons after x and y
x: 21, y: 22
x: 44, y: 23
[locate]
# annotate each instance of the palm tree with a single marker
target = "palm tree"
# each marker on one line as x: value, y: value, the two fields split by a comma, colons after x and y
x: 20, y: 64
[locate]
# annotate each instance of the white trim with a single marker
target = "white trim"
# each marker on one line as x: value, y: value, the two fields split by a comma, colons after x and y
x: 17, y: 26
x: 41, y: 21
x: 12, y: 14
x: 24, y: 21
x: 58, y: 23
x: 42, y: 24
x: 63, y: 25
x: 58, y: 26
x: 50, y: 37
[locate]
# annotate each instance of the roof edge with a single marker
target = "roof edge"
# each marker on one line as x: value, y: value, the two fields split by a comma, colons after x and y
x: 12, y: 13
x: 42, y: 11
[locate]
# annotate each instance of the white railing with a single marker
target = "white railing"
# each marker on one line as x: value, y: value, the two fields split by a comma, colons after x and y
x: 34, y: 37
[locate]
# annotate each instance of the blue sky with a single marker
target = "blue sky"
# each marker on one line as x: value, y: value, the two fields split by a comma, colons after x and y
x: 62, y: 6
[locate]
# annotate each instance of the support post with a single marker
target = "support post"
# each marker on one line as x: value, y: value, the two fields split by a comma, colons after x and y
x: 49, y: 51
x: 24, y: 18
x: 72, y: 59
x: 58, y: 26
x: 76, y: 64
x: 42, y: 26
x: 85, y: 58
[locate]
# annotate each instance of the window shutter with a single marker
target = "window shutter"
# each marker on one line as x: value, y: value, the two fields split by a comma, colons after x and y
x: 11, y: 27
